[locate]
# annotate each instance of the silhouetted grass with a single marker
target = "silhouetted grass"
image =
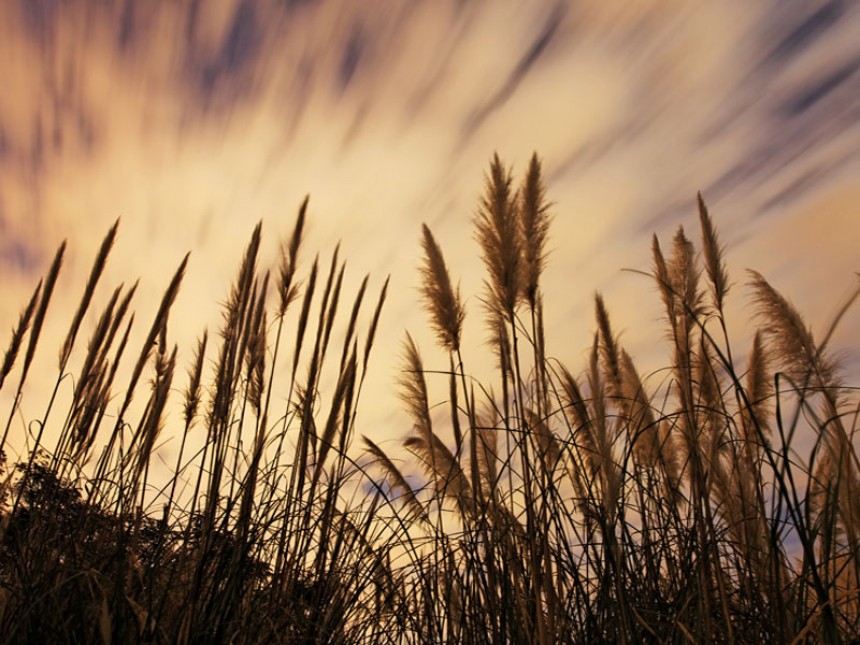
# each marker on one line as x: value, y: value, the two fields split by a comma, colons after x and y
x: 272, y: 545
x: 559, y: 505
x: 566, y: 507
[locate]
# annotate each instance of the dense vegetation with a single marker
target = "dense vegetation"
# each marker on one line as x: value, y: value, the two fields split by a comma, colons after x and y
x: 557, y: 506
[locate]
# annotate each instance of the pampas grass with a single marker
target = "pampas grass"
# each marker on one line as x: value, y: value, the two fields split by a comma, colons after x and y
x: 498, y: 234
x: 544, y: 504
x: 534, y: 229
x: 615, y: 510
x: 241, y: 540
x: 440, y: 298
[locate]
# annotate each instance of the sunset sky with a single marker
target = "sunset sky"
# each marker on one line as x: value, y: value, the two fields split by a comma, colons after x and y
x: 193, y: 120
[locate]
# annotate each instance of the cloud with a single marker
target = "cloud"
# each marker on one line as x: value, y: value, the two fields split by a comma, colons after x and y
x: 191, y: 123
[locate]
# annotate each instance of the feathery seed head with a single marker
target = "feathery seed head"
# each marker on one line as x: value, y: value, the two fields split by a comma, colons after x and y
x: 440, y: 298
x: 534, y: 228
x: 413, y: 387
x: 788, y: 339
x: 499, y: 237
x: 92, y: 281
x: 715, y: 264
x: 609, y: 353
x: 286, y: 288
x: 18, y: 335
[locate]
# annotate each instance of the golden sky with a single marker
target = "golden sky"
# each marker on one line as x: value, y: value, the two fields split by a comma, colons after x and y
x: 193, y: 120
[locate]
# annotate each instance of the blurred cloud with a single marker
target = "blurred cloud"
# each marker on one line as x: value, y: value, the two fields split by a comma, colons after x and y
x: 192, y: 120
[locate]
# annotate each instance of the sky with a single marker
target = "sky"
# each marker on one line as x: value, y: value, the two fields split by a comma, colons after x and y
x: 193, y: 120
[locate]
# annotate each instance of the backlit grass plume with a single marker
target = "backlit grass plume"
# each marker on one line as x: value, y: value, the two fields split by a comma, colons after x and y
x: 440, y: 297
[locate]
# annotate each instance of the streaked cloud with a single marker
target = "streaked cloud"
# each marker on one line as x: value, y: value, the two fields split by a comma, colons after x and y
x: 193, y: 120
